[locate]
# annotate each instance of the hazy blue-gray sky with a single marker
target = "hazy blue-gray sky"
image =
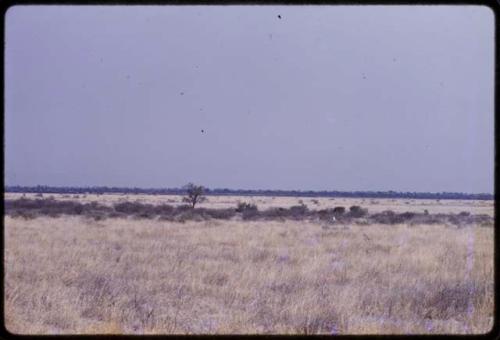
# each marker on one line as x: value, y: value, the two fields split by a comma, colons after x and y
x: 325, y: 98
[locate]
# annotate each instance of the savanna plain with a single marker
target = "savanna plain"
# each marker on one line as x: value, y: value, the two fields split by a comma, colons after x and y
x: 74, y: 274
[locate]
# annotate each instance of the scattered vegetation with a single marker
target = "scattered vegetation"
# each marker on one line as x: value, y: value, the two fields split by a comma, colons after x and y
x: 337, y: 211
x: 31, y: 208
x: 357, y: 211
x: 248, y: 211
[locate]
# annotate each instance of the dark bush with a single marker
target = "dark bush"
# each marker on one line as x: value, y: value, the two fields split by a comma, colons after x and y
x: 243, y: 206
x: 78, y: 209
x: 248, y: 211
x: 250, y: 214
x: 356, y: 211
x: 189, y: 215
x: 482, y: 218
x: 338, y: 211
x: 486, y: 222
x: 464, y: 218
x: 148, y: 214
x: 164, y: 210
x: 182, y: 208
x: 167, y: 218
x: 26, y: 214
x: 23, y: 203
x: 222, y: 214
x: 297, y: 211
x: 325, y: 214
x: 115, y: 214
x: 385, y: 217
x: 90, y: 208
x: 97, y: 215
x: 275, y: 213
x: 31, y: 208
x: 428, y: 219
x: 406, y: 216
x: 129, y: 207
x: 390, y: 217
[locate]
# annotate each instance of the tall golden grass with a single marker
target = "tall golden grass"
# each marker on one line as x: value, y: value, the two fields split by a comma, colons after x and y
x: 70, y: 275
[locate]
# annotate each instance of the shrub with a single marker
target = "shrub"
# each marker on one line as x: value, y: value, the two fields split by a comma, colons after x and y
x: 297, y: 211
x: 428, y: 219
x: 25, y: 214
x: 248, y: 211
x: 189, y: 215
x: 406, y: 216
x: 356, y: 211
x: 115, y: 214
x: 385, y: 217
x: 482, y: 218
x: 149, y: 214
x: 390, y: 217
x: 223, y: 214
x: 96, y: 215
x: 466, y: 218
x: 167, y: 218
x: 338, y: 211
x: 128, y: 207
x: 250, y: 214
x: 78, y: 209
x: 325, y: 214
x: 164, y: 210
x: 243, y: 206
x: 182, y: 208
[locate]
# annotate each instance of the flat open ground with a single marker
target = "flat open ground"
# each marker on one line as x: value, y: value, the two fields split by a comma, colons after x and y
x: 77, y: 275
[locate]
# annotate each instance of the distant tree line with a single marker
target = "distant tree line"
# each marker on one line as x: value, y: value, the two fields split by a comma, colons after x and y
x: 276, y: 193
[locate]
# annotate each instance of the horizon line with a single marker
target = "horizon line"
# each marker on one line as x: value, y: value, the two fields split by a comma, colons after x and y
x: 230, y: 189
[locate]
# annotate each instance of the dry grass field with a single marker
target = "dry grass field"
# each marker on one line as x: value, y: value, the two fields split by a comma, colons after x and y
x: 72, y: 275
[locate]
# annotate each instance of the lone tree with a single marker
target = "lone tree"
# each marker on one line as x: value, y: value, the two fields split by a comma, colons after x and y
x: 194, y: 194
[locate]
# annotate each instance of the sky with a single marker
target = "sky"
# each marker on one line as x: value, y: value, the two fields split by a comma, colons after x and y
x: 251, y: 97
